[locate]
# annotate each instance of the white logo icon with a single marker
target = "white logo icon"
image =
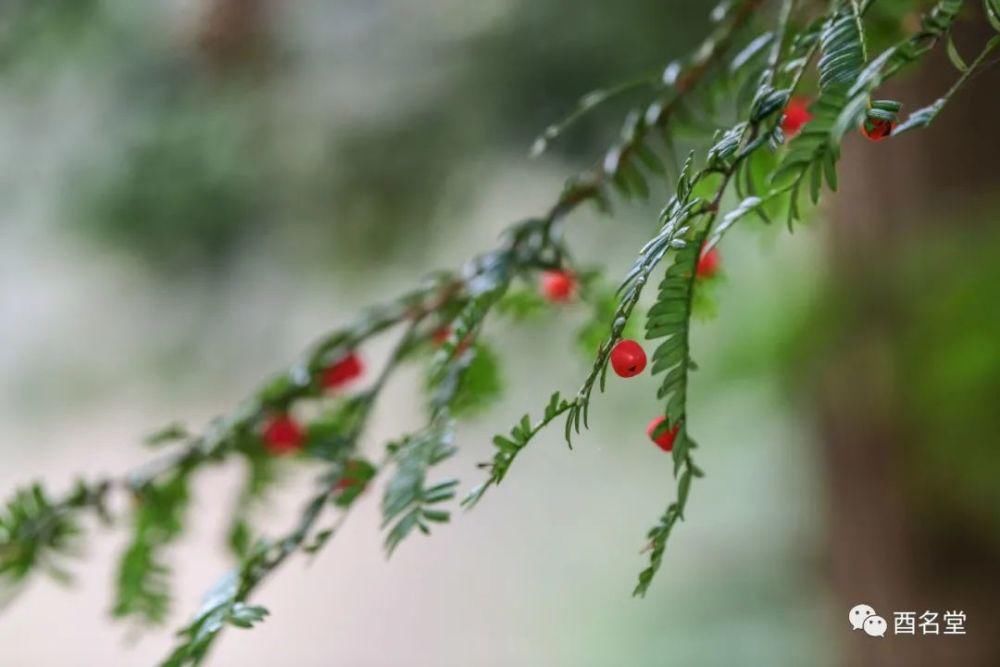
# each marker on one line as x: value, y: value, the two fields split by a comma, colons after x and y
x: 859, y: 613
x: 864, y: 617
x: 875, y: 626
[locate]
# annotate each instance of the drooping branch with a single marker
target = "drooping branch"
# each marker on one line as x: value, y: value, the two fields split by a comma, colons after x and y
x: 687, y: 221
x: 525, y: 245
x: 35, y: 529
x: 227, y: 604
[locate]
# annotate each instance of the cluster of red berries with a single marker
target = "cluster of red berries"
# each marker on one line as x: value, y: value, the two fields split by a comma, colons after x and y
x: 282, y: 434
x: 797, y: 114
x: 628, y: 359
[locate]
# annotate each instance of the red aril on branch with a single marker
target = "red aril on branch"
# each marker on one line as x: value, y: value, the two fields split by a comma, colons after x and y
x: 558, y: 286
x: 796, y: 115
x: 628, y: 359
x: 440, y: 335
x: 880, y: 119
x: 282, y: 435
x: 663, y: 437
x: 342, y: 371
x: 876, y: 129
x: 708, y: 263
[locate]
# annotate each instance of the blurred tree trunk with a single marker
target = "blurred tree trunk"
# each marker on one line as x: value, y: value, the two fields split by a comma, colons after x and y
x: 234, y: 33
x: 887, y: 549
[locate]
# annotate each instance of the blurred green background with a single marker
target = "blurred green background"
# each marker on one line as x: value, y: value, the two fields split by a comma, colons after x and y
x: 194, y: 190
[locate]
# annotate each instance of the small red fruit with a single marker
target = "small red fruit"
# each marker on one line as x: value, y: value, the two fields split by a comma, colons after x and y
x: 441, y: 335
x: 876, y: 129
x: 282, y: 435
x: 628, y: 358
x: 342, y: 371
x: 558, y: 286
x: 796, y: 115
x: 665, y: 440
x: 708, y: 264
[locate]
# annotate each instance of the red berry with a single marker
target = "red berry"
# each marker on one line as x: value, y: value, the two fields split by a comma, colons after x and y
x: 876, y: 129
x: 441, y: 335
x: 796, y: 115
x: 558, y: 286
x: 282, y: 435
x: 665, y: 440
x: 628, y: 358
x: 342, y: 371
x: 708, y: 264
